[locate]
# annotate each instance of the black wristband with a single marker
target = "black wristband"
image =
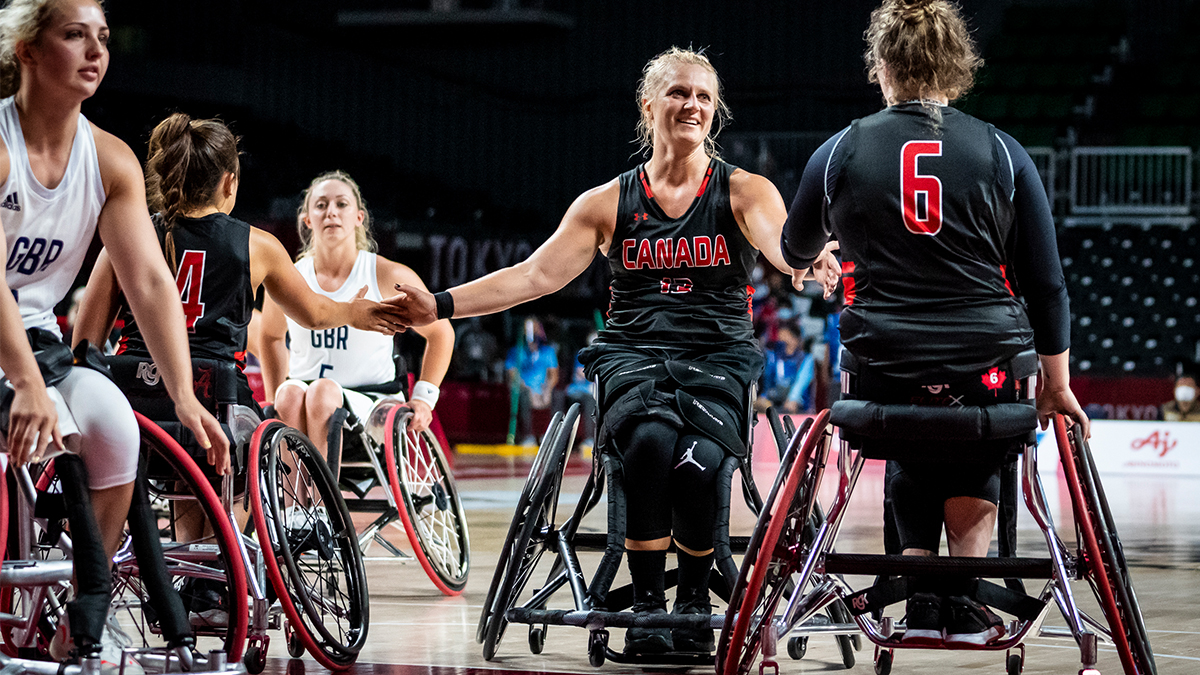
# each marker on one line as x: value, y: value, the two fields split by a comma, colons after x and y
x: 445, y: 304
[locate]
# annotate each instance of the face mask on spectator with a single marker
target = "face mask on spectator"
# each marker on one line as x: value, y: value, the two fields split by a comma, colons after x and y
x: 1185, y: 394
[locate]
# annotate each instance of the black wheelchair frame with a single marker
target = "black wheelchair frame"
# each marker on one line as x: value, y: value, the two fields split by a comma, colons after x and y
x: 597, y: 606
x: 790, y: 560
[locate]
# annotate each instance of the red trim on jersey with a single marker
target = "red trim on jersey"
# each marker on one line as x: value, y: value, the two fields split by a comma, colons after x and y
x: 749, y: 293
x: 848, y: 292
x: 704, y: 184
x: 1004, y: 275
x: 240, y: 359
x: 122, y: 345
x: 645, y: 184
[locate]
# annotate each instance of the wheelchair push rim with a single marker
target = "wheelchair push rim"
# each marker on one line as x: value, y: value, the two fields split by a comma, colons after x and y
x: 784, y: 527
x: 1106, y: 571
x: 527, y: 489
x: 308, y: 599
x: 521, y: 554
x: 181, y: 557
x: 428, y: 502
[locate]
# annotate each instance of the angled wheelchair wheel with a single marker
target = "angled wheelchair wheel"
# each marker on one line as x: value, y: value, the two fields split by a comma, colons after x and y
x: 1106, y: 569
x: 206, y: 568
x: 776, y: 551
x: 309, y: 544
x: 531, y: 528
x: 428, y: 502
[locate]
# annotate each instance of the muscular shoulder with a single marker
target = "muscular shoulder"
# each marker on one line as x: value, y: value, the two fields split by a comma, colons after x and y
x: 745, y: 185
x: 596, y: 210
x: 263, y: 243
x: 119, y: 167
x: 389, y: 272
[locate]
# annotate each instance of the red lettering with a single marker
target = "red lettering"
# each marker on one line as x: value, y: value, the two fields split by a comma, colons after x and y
x: 703, y: 247
x: 720, y: 251
x: 683, y: 254
x: 663, y: 254
x: 189, y: 280
x: 625, y: 246
x: 644, y: 256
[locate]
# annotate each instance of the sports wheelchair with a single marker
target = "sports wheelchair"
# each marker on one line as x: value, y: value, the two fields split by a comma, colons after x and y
x: 420, y: 497
x: 303, y: 569
x: 534, y: 531
x: 791, y: 559
x: 40, y: 562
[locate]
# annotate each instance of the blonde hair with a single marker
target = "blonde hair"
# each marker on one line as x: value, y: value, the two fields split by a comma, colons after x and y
x: 362, y: 233
x: 654, y: 78
x: 21, y: 21
x: 926, y: 47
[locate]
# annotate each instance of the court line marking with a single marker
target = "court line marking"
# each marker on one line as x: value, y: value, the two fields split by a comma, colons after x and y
x: 1110, y: 650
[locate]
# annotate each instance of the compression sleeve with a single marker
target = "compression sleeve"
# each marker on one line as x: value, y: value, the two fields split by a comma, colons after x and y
x: 806, y: 229
x: 1037, y: 268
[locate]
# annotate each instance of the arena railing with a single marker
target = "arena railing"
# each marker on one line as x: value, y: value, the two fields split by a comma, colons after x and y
x: 1148, y: 185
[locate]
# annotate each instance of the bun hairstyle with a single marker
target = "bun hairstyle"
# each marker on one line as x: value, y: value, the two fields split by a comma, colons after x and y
x: 362, y: 233
x: 188, y: 158
x: 654, y: 78
x: 21, y: 21
x: 926, y: 47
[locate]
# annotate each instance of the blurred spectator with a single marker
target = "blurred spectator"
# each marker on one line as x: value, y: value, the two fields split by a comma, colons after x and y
x: 789, y: 372
x: 475, y: 352
x: 532, y: 367
x: 1183, y: 407
x: 581, y: 391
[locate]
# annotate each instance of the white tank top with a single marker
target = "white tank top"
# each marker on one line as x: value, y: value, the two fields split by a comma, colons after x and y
x: 47, y: 232
x: 349, y: 356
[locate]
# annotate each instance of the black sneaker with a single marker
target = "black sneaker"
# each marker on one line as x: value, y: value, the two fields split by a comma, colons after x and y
x: 923, y: 620
x: 647, y: 640
x: 970, y: 623
x: 693, y: 639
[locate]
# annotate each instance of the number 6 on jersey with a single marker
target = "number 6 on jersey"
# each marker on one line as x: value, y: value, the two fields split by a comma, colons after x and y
x: 913, y: 185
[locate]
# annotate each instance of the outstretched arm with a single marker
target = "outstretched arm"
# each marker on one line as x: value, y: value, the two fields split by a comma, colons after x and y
x: 128, y: 235
x: 271, y: 266
x: 274, y: 357
x: 587, y: 226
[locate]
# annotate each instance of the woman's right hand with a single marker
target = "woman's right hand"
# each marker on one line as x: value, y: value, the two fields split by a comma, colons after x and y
x: 417, y: 307
x: 32, y: 425
x: 1061, y: 401
x: 380, y: 317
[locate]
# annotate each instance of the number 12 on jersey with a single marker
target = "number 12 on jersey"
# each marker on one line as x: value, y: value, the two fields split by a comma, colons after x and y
x: 920, y: 190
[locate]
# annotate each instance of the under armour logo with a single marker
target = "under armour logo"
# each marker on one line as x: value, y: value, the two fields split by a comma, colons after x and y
x: 147, y: 371
x: 11, y: 203
x: 641, y: 216
x: 688, y: 457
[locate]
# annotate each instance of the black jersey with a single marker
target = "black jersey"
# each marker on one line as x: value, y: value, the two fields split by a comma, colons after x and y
x: 679, y: 281
x: 924, y: 214
x: 212, y: 259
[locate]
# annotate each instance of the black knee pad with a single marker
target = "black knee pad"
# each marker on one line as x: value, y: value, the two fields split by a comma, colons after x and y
x: 647, y: 449
x: 916, y: 508
x: 694, y: 469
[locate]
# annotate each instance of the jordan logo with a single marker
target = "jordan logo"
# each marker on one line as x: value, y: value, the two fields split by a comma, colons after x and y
x: 687, y: 457
x: 10, y: 202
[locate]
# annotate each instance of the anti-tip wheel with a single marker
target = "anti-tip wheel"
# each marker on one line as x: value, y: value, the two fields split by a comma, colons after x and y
x: 537, y: 639
x: 1015, y: 664
x: 797, y: 646
x: 883, y: 661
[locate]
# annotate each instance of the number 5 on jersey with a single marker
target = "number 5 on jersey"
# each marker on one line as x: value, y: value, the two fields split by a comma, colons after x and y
x: 919, y: 190
x: 189, y: 280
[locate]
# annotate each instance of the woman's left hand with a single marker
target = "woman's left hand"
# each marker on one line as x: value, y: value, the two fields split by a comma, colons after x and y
x: 422, y: 416
x: 207, y: 431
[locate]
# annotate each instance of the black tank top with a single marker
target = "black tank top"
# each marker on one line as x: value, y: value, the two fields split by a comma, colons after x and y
x: 212, y: 259
x: 923, y: 211
x: 679, y: 281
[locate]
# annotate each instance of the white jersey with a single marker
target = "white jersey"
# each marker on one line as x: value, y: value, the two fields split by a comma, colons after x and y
x: 349, y: 356
x: 47, y: 232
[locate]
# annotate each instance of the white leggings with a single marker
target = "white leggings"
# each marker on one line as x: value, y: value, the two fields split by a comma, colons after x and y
x: 109, y: 436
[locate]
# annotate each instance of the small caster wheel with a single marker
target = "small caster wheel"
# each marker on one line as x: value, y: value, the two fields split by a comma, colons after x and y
x: 1015, y: 664
x: 597, y: 647
x: 295, y: 646
x: 255, y: 659
x: 883, y: 662
x: 537, y: 639
x: 797, y: 646
x: 847, y: 649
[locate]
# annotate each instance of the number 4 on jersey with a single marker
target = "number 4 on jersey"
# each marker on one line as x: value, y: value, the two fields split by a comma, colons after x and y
x: 189, y: 281
x: 918, y: 189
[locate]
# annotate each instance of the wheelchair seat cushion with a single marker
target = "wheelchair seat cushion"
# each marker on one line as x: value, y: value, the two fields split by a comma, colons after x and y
x: 913, y: 422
